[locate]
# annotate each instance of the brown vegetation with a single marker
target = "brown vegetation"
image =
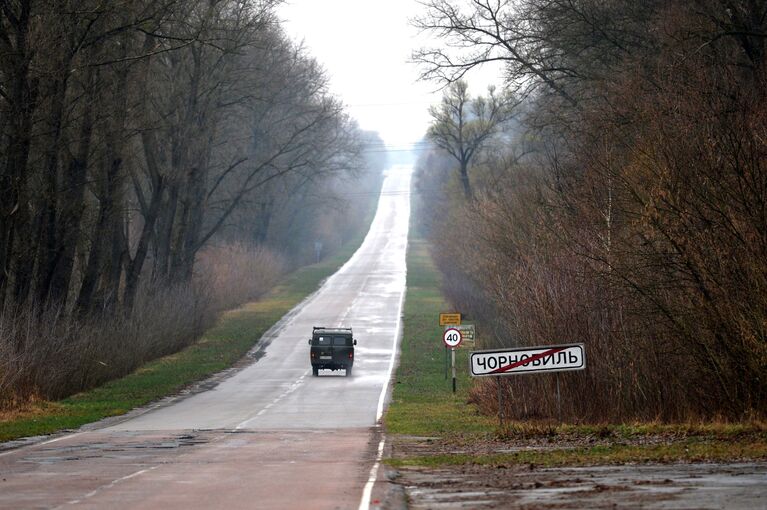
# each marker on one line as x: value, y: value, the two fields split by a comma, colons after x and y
x: 637, y: 223
x: 50, y: 354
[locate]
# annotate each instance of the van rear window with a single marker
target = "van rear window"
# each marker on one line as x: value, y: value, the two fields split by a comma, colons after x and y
x: 333, y: 340
x: 342, y: 340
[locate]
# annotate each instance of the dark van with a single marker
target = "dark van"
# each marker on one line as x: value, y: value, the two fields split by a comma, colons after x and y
x: 332, y: 348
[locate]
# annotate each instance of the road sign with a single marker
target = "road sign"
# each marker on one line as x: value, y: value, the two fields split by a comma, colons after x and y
x: 452, y: 338
x: 552, y: 358
x: 450, y: 319
x: 467, y: 332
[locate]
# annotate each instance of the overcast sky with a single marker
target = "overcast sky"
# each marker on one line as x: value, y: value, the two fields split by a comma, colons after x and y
x: 365, y: 46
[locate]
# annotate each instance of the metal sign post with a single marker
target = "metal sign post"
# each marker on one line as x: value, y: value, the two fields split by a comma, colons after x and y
x: 500, y: 401
x: 452, y: 361
x: 446, y: 361
x: 452, y: 338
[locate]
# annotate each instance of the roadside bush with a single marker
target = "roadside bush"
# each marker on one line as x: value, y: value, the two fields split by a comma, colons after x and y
x: 236, y: 273
x: 51, y: 354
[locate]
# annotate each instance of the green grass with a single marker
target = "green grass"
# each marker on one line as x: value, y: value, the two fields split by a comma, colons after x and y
x: 517, y: 430
x: 423, y: 403
x: 234, y: 334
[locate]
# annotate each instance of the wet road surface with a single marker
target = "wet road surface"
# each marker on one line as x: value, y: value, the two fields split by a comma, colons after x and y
x: 741, y: 486
x: 268, y: 436
x: 190, y: 469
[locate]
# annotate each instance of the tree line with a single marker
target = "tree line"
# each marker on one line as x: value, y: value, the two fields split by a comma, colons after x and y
x: 622, y: 203
x: 142, y: 144
x: 134, y: 132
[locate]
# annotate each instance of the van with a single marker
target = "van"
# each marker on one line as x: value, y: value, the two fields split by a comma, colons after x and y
x: 332, y: 348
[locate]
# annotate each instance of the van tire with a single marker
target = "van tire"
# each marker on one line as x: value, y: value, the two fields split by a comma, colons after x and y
x: 315, y: 371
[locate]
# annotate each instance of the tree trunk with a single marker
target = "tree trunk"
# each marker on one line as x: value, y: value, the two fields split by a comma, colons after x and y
x: 136, y: 263
x: 49, y: 247
x: 72, y: 207
x: 261, y: 232
x: 164, y: 235
x: 194, y: 227
x: 101, y: 282
x: 467, y: 191
x: 22, y: 99
x: 103, y: 240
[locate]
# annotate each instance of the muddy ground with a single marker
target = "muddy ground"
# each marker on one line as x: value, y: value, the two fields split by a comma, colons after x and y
x: 736, y: 485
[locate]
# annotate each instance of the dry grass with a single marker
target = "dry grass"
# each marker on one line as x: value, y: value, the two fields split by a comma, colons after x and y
x: 236, y: 273
x: 30, y: 409
x: 50, y: 355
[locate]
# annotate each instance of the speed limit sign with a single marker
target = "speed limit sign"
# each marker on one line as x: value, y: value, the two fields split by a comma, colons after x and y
x: 452, y: 338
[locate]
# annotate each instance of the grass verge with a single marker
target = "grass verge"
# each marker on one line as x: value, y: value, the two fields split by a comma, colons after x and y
x: 423, y: 403
x: 429, y: 424
x: 234, y: 334
x: 688, y: 450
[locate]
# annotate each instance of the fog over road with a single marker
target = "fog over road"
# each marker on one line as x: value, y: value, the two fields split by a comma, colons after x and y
x: 269, y: 436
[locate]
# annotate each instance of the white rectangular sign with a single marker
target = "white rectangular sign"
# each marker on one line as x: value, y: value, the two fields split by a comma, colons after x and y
x: 552, y: 358
x: 467, y: 331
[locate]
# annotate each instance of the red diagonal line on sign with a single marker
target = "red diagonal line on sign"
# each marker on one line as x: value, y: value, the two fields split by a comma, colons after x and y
x: 527, y: 360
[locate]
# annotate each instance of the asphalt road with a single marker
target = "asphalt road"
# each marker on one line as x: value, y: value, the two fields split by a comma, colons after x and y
x: 269, y: 436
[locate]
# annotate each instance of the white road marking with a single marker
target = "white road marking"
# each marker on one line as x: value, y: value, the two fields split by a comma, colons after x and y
x: 397, y: 333
x: 107, y: 486
x: 14, y: 450
x: 368, y: 491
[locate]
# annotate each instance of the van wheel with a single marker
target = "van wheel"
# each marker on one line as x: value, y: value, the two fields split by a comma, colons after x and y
x: 348, y: 371
x: 315, y: 371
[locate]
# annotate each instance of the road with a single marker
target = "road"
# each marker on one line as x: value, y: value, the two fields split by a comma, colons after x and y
x: 268, y: 436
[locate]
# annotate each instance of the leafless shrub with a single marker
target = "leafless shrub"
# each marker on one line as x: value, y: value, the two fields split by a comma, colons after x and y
x: 51, y: 354
x: 235, y: 273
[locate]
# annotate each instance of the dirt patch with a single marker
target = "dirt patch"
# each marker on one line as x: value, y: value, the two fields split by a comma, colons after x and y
x: 515, y: 485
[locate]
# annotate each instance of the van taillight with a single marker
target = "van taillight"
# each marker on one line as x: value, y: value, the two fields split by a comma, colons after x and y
x: 351, y: 355
x: 312, y: 355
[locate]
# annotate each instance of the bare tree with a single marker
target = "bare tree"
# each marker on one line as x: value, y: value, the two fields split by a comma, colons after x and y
x: 462, y: 126
x: 132, y: 131
x: 547, y: 46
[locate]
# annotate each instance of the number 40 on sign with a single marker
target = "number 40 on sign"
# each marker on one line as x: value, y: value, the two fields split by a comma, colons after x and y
x: 452, y: 337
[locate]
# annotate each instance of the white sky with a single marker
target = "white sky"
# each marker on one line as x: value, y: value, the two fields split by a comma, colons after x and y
x: 365, y: 47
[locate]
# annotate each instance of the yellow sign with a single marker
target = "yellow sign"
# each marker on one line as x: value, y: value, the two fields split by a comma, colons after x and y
x: 450, y: 319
